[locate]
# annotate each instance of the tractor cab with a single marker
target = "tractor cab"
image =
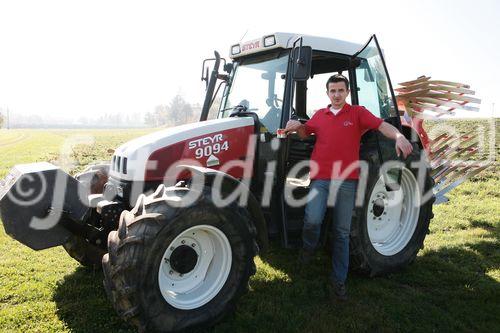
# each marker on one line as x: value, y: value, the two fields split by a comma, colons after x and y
x: 281, y: 77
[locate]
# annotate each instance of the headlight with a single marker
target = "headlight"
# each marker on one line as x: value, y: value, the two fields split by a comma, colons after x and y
x: 269, y: 41
x: 235, y: 49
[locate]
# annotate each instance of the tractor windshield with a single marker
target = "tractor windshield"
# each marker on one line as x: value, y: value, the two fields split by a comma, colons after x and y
x: 259, y: 85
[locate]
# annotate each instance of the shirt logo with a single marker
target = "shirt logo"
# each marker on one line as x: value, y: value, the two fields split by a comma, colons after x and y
x: 347, y: 123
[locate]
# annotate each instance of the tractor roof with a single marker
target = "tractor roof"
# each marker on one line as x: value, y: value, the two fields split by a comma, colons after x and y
x: 285, y: 40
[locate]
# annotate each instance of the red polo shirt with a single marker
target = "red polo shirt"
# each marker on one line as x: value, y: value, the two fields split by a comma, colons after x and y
x: 338, y: 139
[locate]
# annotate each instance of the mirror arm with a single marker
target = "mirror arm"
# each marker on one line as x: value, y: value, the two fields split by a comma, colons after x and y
x: 210, y: 88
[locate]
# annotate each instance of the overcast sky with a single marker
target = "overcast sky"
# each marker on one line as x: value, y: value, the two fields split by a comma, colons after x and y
x: 74, y: 58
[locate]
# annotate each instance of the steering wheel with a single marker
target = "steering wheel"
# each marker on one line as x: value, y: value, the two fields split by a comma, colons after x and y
x: 277, y: 102
x: 301, y: 119
x: 239, y: 109
x: 274, y: 102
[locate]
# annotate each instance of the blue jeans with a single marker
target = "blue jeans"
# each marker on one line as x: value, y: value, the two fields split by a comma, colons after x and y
x: 342, y: 196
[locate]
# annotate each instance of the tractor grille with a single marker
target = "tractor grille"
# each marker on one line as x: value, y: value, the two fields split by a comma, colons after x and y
x: 119, y: 164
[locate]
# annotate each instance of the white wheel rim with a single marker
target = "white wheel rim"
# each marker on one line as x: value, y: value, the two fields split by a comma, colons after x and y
x: 203, y: 282
x: 392, y: 216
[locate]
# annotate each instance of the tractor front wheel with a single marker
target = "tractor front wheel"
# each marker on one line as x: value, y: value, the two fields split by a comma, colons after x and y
x: 170, y: 268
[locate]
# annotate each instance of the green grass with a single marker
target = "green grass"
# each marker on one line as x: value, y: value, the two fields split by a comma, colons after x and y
x: 454, y: 284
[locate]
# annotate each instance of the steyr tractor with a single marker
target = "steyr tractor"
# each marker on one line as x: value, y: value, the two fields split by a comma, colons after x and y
x: 177, y: 216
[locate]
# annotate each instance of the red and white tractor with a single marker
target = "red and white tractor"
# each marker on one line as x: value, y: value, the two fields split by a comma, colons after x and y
x: 178, y: 215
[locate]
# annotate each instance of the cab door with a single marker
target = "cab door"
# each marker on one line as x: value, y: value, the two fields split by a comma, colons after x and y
x: 374, y: 87
x: 374, y: 91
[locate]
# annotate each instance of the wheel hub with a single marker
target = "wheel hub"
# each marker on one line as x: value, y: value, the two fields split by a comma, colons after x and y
x: 183, y: 259
x: 378, y: 207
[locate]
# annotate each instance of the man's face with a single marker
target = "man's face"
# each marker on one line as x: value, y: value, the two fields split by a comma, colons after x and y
x: 337, y: 92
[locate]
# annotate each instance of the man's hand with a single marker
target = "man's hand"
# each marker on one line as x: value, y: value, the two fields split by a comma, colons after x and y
x: 403, y: 145
x: 293, y: 126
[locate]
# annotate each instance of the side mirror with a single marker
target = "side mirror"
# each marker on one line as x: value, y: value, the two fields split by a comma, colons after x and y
x: 205, y: 76
x: 228, y: 68
x: 302, y: 59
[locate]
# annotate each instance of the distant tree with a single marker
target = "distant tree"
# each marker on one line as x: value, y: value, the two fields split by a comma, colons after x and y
x: 177, y: 110
x: 116, y: 119
x: 1, y: 119
x: 161, y: 115
x: 196, y: 112
x: 150, y: 119
x: 176, y: 113
x: 187, y: 112
x: 136, y: 118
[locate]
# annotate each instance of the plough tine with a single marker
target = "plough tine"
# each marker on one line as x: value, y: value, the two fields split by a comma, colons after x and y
x: 420, y: 79
x: 463, y: 139
x: 443, y: 175
x: 440, y: 198
x: 449, y: 83
x: 442, y: 103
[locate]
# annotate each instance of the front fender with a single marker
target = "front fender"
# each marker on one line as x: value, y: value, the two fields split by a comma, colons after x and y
x: 229, y: 184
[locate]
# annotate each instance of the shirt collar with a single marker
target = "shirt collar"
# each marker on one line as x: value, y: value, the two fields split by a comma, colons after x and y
x: 344, y: 109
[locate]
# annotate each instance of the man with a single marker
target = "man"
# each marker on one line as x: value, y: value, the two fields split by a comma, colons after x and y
x: 338, y: 129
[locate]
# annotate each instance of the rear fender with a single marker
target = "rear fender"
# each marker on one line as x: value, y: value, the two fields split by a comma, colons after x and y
x: 414, y: 128
x: 413, y: 136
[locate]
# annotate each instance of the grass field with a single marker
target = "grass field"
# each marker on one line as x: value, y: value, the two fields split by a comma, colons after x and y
x: 454, y: 285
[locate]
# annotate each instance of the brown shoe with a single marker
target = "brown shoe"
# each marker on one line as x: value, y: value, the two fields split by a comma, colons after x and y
x: 337, y: 291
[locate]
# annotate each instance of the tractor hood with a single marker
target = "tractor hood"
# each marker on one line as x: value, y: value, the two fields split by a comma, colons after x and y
x: 208, y: 143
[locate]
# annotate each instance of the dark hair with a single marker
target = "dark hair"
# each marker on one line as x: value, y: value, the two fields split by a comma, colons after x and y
x: 337, y: 78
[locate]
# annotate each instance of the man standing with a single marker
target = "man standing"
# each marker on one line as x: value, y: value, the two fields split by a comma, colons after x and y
x: 338, y: 129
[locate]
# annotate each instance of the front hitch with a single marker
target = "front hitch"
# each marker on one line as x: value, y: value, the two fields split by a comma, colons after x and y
x: 38, y: 202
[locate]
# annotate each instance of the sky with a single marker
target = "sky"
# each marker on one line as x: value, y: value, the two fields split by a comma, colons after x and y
x: 86, y: 58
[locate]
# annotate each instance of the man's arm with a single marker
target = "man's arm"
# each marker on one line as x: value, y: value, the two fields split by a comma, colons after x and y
x: 296, y: 126
x: 402, y: 144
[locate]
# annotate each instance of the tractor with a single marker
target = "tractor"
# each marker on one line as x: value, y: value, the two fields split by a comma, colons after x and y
x: 177, y: 216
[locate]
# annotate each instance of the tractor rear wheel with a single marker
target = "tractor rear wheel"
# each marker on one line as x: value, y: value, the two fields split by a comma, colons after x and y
x: 170, y: 268
x: 389, y: 229
x: 87, y: 254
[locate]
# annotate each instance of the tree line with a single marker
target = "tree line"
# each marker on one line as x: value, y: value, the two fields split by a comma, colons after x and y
x: 177, y: 112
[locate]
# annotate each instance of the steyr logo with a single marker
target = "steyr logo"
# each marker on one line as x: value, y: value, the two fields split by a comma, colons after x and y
x: 250, y: 45
x: 208, y: 145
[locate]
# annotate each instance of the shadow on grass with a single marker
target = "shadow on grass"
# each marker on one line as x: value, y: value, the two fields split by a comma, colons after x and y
x: 482, y: 224
x: 447, y: 289
x: 83, y: 305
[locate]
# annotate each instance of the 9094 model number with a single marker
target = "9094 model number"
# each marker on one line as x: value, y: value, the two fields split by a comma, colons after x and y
x: 208, y: 145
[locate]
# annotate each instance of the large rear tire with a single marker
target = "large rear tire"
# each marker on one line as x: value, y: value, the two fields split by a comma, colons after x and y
x: 171, y: 268
x: 87, y: 254
x: 386, y: 236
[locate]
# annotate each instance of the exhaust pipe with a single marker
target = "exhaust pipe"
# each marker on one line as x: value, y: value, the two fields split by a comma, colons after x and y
x: 39, y: 204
